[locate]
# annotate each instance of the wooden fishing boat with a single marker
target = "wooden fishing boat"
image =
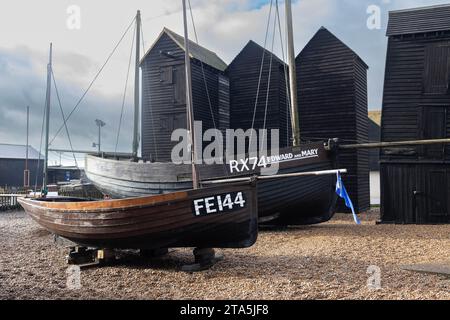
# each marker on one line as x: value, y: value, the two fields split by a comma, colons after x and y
x: 299, y: 200
x: 220, y: 216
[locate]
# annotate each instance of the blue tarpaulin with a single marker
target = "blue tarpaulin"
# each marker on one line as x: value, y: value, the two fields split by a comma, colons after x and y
x: 342, y: 192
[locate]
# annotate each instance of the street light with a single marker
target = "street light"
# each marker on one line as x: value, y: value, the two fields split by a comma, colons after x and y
x: 99, y: 124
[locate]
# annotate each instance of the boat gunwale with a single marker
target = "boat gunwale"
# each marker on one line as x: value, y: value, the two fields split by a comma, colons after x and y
x: 102, y: 206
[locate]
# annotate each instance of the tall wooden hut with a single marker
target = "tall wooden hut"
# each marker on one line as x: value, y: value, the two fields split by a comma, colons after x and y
x: 332, y: 95
x: 164, y: 93
x: 415, y: 181
x: 244, y: 74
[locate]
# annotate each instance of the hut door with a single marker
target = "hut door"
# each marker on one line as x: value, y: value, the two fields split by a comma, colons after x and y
x: 434, y: 126
x: 437, y: 69
x: 434, y: 206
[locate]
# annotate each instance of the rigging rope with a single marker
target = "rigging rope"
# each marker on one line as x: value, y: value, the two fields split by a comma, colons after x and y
x: 40, y: 151
x: 93, y: 81
x: 269, y: 78
x: 125, y: 93
x: 261, y: 71
x: 203, y: 69
x: 205, y: 83
x: 286, y: 80
x: 64, y: 119
x: 151, y: 109
x: 65, y: 125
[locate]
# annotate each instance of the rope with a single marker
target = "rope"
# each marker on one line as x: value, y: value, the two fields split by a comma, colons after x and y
x: 269, y: 78
x: 206, y: 84
x: 286, y: 80
x: 260, y: 71
x: 155, y: 145
x: 40, y: 151
x: 203, y: 69
x: 93, y: 81
x: 125, y: 93
x: 64, y: 118
x: 67, y: 129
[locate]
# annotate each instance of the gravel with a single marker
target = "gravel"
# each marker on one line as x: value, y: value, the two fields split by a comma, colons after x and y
x: 327, y: 261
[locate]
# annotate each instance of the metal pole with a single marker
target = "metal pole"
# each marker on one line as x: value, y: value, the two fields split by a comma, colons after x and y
x: 26, y: 183
x: 278, y: 176
x: 292, y: 76
x: 47, y: 118
x: 189, y: 105
x: 378, y: 145
x: 136, y: 87
x: 99, y: 137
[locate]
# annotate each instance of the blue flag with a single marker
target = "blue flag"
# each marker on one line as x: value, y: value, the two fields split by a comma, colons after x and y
x: 342, y: 192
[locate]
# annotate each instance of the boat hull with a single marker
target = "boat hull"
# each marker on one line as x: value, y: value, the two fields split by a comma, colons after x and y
x: 164, y: 221
x: 288, y: 201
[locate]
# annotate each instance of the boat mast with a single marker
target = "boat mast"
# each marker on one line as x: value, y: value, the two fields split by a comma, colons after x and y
x: 189, y: 105
x: 292, y: 76
x: 137, y: 87
x: 47, y: 119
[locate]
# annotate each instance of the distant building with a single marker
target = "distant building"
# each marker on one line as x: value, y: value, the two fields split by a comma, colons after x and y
x: 164, y: 93
x: 332, y: 102
x: 416, y: 105
x: 12, y: 166
x: 62, y: 174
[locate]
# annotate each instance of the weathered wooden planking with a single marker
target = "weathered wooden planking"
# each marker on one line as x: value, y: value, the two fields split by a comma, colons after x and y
x: 332, y: 93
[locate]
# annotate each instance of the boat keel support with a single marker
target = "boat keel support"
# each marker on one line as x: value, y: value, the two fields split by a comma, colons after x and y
x: 205, y: 258
x: 86, y: 257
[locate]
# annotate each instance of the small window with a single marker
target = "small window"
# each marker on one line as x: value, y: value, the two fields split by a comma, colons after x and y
x: 166, y: 75
x: 437, y: 65
x: 180, y: 85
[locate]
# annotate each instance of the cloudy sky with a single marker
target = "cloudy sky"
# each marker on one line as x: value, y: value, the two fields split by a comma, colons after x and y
x: 223, y: 26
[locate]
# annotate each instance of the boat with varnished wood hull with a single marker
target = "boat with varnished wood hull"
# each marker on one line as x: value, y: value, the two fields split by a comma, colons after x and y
x: 290, y: 201
x: 192, y: 218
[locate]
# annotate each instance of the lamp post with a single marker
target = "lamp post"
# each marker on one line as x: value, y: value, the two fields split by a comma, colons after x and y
x: 100, y: 124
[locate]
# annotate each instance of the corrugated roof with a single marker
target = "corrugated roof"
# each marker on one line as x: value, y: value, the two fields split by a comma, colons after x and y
x: 419, y: 20
x: 197, y: 52
x: 14, y: 151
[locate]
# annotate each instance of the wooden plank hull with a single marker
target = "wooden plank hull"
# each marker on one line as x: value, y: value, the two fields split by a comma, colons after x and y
x: 293, y: 201
x: 163, y: 221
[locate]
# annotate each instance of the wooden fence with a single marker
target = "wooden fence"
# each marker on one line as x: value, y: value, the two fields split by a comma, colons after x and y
x: 9, y: 202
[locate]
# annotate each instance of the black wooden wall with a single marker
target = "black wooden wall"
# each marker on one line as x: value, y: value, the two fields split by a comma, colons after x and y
x: 332, y: 95
x: 164, y: 97
x: 11, y: 172
x: 415, y: 181
x: 244, y: 72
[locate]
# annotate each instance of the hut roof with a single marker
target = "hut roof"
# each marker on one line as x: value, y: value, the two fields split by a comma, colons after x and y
x: 419, y: 20
x: 253, y: 45
x: 196, y: 51
x: 325, y: 33
x: 14, y: 151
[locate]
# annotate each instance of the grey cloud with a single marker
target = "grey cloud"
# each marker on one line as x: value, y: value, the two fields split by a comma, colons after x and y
x: 27, y: 87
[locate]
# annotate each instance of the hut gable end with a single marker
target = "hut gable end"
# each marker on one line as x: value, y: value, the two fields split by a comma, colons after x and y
x: 332, y: 93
